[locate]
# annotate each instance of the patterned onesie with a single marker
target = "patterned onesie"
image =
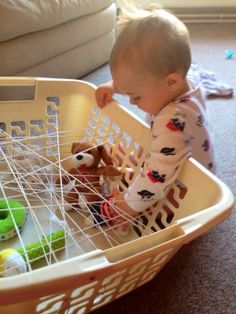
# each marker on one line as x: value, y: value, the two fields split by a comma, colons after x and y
x: 180, y: 130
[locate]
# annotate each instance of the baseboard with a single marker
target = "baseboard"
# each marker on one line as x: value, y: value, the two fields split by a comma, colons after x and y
x: 207, y: 15
x: 204, y: 14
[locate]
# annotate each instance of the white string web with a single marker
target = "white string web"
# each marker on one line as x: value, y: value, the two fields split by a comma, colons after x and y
x: 28, y: 174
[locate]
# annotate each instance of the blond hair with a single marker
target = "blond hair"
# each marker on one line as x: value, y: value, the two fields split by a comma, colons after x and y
x: 151, y: 39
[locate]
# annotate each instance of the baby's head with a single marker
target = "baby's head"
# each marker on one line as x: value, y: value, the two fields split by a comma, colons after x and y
x: 151, y: 57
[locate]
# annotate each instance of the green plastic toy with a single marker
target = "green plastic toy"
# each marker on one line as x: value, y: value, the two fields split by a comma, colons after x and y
x: 11, y: 211
x: 13, y: 261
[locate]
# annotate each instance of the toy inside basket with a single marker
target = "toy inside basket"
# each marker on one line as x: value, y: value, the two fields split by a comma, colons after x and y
x: 35, y: 149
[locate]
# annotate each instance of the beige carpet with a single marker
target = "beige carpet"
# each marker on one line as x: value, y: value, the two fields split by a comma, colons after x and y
x: 201, y: 278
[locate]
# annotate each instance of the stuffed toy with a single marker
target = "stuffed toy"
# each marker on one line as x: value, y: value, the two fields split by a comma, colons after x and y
x: 88, y: 172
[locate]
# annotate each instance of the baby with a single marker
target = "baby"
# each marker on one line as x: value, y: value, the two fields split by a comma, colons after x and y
x: 149, y: 63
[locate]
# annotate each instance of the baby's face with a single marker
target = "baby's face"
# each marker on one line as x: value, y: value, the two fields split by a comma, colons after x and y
x: 146, y: 92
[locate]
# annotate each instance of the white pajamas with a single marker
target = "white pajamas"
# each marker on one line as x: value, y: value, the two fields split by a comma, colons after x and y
x: 180, y: 130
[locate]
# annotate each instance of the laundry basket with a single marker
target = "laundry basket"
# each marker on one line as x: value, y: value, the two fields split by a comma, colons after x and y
x: 103, y: 267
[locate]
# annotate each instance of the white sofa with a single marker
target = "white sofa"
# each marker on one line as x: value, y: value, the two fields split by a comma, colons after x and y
x: 55, y: 38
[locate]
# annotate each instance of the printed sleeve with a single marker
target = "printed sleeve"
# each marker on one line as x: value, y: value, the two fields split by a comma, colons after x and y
x: 169, y: 150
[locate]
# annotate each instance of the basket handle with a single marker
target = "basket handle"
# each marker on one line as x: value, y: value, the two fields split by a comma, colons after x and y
x: 17, y: 88
x: 158, y: 241
x: 17, y: 81
x: 200, y: 222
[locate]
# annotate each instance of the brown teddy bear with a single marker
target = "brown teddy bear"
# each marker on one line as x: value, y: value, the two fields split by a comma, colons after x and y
x: 88, y: 171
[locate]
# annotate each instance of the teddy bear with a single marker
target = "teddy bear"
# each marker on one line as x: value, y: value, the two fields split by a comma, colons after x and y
x: 87, y: 172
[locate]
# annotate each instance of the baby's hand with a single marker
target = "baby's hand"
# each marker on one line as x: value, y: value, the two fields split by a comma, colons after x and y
x: 104, y: 94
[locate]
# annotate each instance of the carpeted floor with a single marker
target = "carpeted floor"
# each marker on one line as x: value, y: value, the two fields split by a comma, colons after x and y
x: 201, y: 278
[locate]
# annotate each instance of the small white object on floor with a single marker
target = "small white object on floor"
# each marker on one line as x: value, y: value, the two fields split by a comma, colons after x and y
x: 211, y: 85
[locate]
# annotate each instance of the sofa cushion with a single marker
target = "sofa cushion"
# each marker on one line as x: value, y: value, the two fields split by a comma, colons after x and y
x: 20, y: 17
x: 25, y: 52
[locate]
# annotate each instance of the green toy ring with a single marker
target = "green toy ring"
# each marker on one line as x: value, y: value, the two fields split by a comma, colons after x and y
x: 11, y: 209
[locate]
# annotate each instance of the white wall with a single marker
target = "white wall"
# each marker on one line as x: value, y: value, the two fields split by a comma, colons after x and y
x: 190, y: 3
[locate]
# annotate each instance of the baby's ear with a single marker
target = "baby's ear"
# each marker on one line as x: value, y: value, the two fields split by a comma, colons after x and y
x: 106, y: 157
x: 174, y: 80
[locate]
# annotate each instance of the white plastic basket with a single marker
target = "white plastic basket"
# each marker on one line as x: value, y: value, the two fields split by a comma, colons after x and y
x: 80, y: 283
